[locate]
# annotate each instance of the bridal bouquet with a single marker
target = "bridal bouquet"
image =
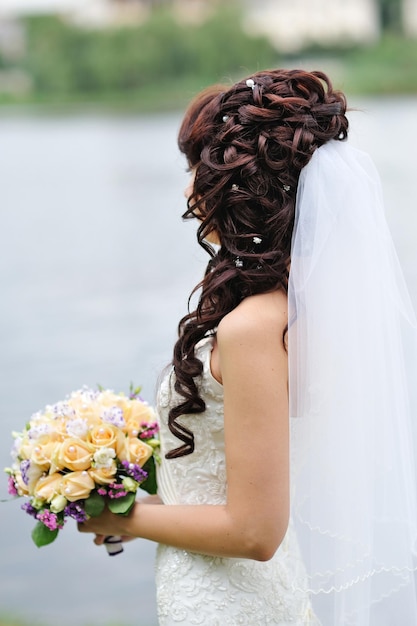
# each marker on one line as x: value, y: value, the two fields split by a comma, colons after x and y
x: 93, y: 449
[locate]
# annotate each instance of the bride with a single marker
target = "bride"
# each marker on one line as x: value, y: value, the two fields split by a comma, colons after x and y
x: 287, y: 489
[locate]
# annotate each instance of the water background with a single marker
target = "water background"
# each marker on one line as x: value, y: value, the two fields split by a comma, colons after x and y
x: 96, y: 267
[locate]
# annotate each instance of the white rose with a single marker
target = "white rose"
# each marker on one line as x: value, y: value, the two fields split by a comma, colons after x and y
x: 58, y: 504
x: 103, y: 458
x: 129, y: 484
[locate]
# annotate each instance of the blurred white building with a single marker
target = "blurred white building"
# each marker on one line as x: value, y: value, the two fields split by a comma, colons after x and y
x: 289, y: 24
x: 13, y: 8
x: 90, y: 12
x: 410, y: 17
x: 292, y: 24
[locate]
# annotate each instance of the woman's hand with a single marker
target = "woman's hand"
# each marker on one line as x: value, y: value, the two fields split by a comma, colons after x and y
x: 108, y: 524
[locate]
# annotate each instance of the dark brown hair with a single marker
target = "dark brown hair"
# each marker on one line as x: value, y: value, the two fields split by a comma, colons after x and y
x: 247, y: 144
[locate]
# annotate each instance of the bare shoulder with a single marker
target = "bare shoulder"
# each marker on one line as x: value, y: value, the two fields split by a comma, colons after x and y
x: 250, y: 349
x: 261, y: 318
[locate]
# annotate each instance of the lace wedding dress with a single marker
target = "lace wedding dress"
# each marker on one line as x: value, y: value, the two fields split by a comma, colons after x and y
x: 213, y: 591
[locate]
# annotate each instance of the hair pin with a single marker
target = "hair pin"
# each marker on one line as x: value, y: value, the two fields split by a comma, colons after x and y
x: 235, y: 187
x: 286, y: 187
x: 238, y: 262
x: 250, y: 83
x: 226, y: 118
x: 257, y: 240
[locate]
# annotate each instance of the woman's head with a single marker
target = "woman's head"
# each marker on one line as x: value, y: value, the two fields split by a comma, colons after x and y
x: 246, y: 146
x: 248, y: 143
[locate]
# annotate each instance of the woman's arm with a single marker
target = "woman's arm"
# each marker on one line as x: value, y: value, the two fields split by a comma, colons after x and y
x: 253, y: 522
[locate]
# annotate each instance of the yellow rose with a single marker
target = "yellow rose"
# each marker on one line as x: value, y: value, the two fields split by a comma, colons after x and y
x: 75, y: 455
x: 22, y: 488
x: 136, y: 415
x: 60, y: 427
x: 92, y: 415
x: 26, y: 448
x: 85, y: 407
x: 77, y: 486
x: 108, y: 436
x: 43, y: 455
x: 80, y: 400
x: 109, y: 398
x: 103, y: 475
x: 33, y: 474
x: 136, y: 451
x: 48, y: 487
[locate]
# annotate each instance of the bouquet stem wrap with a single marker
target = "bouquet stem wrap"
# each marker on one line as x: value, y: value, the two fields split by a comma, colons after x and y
x: 113, y: 545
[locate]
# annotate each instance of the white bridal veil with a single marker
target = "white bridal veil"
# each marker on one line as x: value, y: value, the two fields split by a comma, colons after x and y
x: 353, y: 366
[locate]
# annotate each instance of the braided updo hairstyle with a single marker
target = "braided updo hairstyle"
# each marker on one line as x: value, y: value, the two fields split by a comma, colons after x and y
x: 247, y: 145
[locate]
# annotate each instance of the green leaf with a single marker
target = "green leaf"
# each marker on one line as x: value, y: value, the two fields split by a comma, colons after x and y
x: 122, y: 506
x: 149, y: 485
x: 94, y: 504
x: 134, y: 391
x: 41, y: 535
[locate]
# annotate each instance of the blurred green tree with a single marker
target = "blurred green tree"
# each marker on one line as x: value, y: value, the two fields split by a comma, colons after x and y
x: 62, y: 58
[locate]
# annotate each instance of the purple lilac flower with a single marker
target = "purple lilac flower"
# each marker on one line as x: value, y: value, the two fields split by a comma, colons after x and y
x: 14, y: 452
x: 135, y: 471
x: 102, y: 491
x: 29, y: 509
x: 24, y: 468
x: 87, y: 394
x: 117, y: 494
x: 116, y: 491
x: 75, y: 511
x: 114, y: 416
x: 77, y: 427
x: 36, y: 416
x: 116, y: 486
x: 63, y: 409
x: 135, y: 395
x: 11, y: 486
x: 37, y: 430
x: 49, y: 519
x: 149, y: 430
